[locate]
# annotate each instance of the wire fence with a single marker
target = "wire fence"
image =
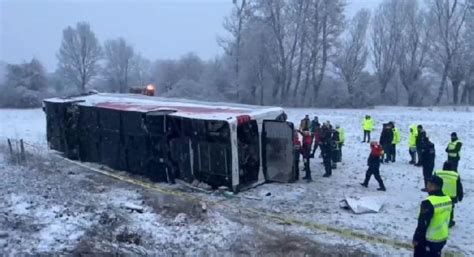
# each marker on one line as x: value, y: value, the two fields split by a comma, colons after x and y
x: 19, y: 151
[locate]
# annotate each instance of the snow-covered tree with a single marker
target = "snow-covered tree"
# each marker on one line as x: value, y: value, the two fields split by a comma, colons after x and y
x: 118, y: 56
x: 79, y: 54
x: 415, y: 42
x: 387, y: 25
x: 352, y: 55
x: 448, y: 17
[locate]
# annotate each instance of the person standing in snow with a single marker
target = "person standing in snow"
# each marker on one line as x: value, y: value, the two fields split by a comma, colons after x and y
x: 412, y: 143
x: 386, y: 139
x: 420, y: 137
x: 316, y: 130
x: 454, y: 150
x: 306, y: 152
x: 304, y: 124
x: 428, y: 160
x: 452, y: 186
x: 373, y: 162
x: 314, y: 124
x: 326, y: 149
x: 395, y: 141
x: 334, y: 147
x: 432, y: 231
x: 340, y: 142
x: 367, y: 127
x: 296, y: 155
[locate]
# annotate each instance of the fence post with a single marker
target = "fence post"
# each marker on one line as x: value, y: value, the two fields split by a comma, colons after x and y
x: 10, y: 146
x: 22, y: 147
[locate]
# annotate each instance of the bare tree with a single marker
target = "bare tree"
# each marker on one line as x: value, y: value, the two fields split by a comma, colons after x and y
x: 140, y: 70
x: 118, y: 55
x: 414, y: 43
x: 284, y: 21
x: 79, y: 54
x: 325, y: 26
x: 468, y: 92
x: 387, y: 27
x: 352, y: 55
x: 449, y: 17
x: 234, y: 24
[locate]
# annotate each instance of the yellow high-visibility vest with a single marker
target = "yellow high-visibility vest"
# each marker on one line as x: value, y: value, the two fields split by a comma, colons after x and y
x: 438, y: 229
x: 450, y: 182
x: 452, y: 147
x: 368, y: 124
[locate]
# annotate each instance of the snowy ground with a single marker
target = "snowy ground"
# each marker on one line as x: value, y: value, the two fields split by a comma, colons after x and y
x: 71, y: 209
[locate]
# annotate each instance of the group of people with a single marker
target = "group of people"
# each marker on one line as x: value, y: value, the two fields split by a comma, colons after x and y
x: 443, y: 186
x: 316, y: 135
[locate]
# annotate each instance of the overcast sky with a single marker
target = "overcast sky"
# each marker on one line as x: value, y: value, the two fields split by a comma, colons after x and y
x: 156, y: 28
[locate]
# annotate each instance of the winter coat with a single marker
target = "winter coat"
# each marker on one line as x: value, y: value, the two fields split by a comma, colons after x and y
x: 317, y: 135
x: 373, y: 162
x: 412, y: 136
x: 368, y: 124
x: 396, y: 136
x: 386, y: 137
x: 342, y: 135
x: 304, y: 125
x: 420, y: 138
x: 428, y: 154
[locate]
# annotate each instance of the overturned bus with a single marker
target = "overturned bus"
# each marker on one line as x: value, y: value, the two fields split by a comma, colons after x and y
x: 220, y: 144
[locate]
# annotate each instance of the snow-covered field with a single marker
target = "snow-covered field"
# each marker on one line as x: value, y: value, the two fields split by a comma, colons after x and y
x: 316, y: 202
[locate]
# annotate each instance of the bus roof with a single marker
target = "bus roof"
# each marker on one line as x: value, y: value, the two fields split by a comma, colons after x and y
x: 180, y: 107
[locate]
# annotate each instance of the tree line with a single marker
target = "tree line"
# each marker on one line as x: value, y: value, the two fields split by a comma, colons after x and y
x: 283, y: 52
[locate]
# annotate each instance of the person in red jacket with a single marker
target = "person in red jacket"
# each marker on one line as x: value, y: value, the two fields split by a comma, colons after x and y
x: 296, y: 155
x: 376, y: 152
x: 306, y: 152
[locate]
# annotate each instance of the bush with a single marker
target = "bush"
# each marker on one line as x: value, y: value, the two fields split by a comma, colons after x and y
x: 19, y: 97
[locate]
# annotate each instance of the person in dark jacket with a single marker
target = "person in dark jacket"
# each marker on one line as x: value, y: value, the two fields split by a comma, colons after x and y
x: 335, y: 148
x: 428, y: 160
x: 373, y: 162
x: 326, y: 149
x: 306, y: 152
x: 296, y: 155
x: 419, y: 144
x: 314, y: 124
x: 304, y: 124
x: 422, y: 244
x: 315, y: 128
x: 454, y: 150
x: 386, y: 138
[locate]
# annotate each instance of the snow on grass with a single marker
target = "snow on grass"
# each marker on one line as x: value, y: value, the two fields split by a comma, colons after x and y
x: 26, y: 124
x: 319, y: 201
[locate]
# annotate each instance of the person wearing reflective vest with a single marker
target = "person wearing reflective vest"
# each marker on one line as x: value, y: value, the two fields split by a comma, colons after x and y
x: 340, y: 141
x: 454, y: 150
x: 452, y: 186
x: 432, y: 231
x: 395, y: 141
x: 367, y: 126
x: 412, y: 143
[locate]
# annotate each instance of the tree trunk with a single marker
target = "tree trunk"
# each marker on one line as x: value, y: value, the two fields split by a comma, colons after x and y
x: 471, y: 95
x: 464, y: 94
x: 442, y: 86
x: 456, y: 84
